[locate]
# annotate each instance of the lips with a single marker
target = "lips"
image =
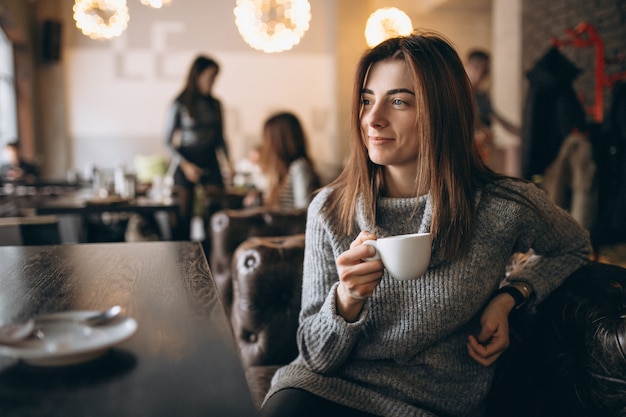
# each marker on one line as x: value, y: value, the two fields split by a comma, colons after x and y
x: 378, y: 140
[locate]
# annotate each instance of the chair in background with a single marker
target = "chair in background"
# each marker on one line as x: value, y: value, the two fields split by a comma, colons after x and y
x: 29, y: 230
x: 230, y: 227
x: 267, y: 281
x: 267, y: 287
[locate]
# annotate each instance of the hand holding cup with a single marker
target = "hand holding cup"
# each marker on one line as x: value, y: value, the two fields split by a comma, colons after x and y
x: 405, y: 257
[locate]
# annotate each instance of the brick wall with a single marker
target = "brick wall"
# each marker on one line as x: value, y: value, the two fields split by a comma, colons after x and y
x: 544, y: 19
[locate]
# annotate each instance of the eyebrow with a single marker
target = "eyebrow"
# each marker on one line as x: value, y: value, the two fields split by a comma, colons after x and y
x: 390, y: 92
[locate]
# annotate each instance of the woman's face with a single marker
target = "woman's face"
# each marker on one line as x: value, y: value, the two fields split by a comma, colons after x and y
x: 206, y: 80
x: 388, y: 114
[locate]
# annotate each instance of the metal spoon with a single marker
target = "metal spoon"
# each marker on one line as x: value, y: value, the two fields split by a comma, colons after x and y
x: 16, y: 332
x: 103, y: 317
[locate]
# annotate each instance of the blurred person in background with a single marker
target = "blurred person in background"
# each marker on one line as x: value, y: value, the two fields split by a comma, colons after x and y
x: 478, y: 68
x: 289, y: 175
x: 15, y: 167
x: 195, y: 136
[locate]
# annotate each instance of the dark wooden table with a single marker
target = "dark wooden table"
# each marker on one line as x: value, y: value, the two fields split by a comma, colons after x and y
x: 82, y: 204
x: 182, y: 361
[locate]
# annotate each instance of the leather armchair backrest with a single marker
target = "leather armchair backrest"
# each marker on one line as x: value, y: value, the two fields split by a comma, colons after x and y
x: 267, y: 288
x: 581, y: 338
x: 230, y: 227
x: 570, y: 357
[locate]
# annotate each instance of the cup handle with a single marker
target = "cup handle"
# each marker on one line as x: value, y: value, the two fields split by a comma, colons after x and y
x: 372, y: 243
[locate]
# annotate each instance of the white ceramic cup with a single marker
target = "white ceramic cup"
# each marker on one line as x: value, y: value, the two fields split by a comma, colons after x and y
x: 404, y: 256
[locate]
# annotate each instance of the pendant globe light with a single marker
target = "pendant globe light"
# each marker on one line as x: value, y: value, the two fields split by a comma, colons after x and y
x: 386, y: 23
x: 101, y: 19
x: 272, y: 25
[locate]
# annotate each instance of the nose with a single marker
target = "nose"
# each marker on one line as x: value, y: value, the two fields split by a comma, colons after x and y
x: 374, y: 116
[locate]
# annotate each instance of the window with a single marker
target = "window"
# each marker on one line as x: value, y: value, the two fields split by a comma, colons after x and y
x: 8, y: 111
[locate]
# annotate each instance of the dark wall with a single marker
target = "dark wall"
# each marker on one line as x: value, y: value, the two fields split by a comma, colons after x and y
x: 543, y: 20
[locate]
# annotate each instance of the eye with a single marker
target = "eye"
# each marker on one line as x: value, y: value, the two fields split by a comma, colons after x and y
x: 365, y: 101
x: 398, y: 102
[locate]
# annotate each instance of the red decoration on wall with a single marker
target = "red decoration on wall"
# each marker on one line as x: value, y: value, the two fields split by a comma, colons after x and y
x: 584, y: 36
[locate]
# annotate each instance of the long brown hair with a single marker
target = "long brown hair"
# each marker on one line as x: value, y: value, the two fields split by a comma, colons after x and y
x: 449, y: 165
x: 284, y: 141
x: 191, y: 91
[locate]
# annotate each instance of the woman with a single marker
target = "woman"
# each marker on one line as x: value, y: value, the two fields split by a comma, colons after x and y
x: 195, y: 136
x: 370, y: 345
x: 284, y: 161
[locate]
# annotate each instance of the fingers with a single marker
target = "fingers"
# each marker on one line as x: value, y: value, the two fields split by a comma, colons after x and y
x: 357, y: 251
x: 362, y: 237
x: 192, y: 172
x: 487, y: 332
x: 493, y: 338
x: 488, y: 347
x: 358, y: 278
x: 363, y: 288
x: 357, y: 284
x: 354, y: 256
x: 361, y: 278
x: 481, y: 353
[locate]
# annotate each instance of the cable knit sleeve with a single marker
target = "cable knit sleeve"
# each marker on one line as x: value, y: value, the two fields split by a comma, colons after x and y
x: 559, y: 243
x: 325, y: 339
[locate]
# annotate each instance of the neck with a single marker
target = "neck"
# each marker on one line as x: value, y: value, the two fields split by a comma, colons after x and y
x: 400, y: 183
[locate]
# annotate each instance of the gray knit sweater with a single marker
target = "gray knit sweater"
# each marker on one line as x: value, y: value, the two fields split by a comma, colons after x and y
x: 406, y: 355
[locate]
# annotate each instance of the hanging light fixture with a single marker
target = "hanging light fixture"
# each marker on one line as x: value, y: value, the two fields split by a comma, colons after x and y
x: 272, y: 25
x: 386, y: 23
x: 101, y: 19
x: 157, y: 4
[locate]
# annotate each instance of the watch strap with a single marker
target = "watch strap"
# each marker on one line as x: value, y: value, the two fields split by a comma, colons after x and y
x: 517, y: 295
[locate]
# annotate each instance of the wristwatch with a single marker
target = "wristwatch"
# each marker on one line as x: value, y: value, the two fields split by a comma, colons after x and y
x: 520, y: 291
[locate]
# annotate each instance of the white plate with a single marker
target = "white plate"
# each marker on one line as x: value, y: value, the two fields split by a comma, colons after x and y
x: 67, y: 341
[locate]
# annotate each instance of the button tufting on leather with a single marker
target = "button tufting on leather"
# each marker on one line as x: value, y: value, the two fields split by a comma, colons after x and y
x: 219, y: 222
x: 250, y: 261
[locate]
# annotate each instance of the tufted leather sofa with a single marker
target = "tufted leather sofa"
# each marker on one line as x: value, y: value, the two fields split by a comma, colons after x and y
x: 267, y: 278
x: 266, y: 298
x: 230, y: 227
x: 567, y: 358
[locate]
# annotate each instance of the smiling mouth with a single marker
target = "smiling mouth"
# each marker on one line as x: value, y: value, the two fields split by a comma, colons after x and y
x: 377, y: 140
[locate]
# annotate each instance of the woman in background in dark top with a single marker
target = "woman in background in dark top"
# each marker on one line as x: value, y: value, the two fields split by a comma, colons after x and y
x: 195, y: 136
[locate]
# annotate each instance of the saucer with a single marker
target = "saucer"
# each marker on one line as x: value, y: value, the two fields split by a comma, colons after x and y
x: 66, y: 340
